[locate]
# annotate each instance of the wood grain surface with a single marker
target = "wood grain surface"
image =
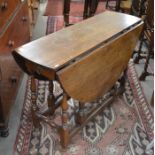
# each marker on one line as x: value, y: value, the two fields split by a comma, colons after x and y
x: 94, y: 74
x: 55, y: 50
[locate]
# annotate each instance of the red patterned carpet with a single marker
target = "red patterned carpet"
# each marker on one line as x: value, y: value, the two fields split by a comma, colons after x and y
x: 123, y: 128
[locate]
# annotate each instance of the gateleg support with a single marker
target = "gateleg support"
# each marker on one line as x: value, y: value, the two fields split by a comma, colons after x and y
x: 80, y: 115
x: 66, y: 11
x: 51, y: 99
x: 34, y: 108
x: 122, y: 83
x: 64, y: 130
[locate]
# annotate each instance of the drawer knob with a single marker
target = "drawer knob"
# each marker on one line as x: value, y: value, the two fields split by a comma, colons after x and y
x: 11, y: 43
x: 24, y: 19
x: 4, y: 5
x: 13, y: 79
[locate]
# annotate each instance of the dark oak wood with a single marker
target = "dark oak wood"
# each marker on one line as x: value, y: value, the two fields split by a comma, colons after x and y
x: 14, y: 31
x: 10, y: 38
x: 66, y: 11
x: 3, y: 127
x: 7, y: 10
x: 86, y: 61
x: 147, y: 37
x: 90, y: 7
x: 138, y: 8
x: 152, y: 99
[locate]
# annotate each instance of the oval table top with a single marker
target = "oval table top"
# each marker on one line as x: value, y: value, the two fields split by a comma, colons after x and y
x: 57, y: 49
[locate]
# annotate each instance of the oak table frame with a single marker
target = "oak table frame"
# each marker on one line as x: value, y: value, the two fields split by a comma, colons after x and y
x: 86, y: 59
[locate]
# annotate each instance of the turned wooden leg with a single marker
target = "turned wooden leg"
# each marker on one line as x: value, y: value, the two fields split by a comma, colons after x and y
x: 138, y: 56
x: 66, y: 11
x: 106, y: 5
x: 122, y: 82
x: 145, y: 72
x: 86, y: 7
x: 93, y: 7
x: 64, y: 131
x: 4, y: 131
x: 34, y: 108
x: 80, y: 115
x: 150, y: 51
x: 51, y: 98
x: 117, y: 5
x: 152, y: 99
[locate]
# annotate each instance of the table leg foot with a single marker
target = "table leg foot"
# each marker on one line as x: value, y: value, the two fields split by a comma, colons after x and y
x: 4, y: 131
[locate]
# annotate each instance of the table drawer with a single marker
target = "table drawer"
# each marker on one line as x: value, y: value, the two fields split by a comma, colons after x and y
x: 18, y: 31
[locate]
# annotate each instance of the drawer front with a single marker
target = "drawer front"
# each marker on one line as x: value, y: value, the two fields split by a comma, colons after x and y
x: 10, y: 79
x: 18, y: 31
x: 7, y: 9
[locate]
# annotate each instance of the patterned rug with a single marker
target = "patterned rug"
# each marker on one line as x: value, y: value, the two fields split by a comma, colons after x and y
x: 123, y: 128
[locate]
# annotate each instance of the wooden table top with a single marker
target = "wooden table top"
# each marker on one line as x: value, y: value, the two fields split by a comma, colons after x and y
x: 57, y: 49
